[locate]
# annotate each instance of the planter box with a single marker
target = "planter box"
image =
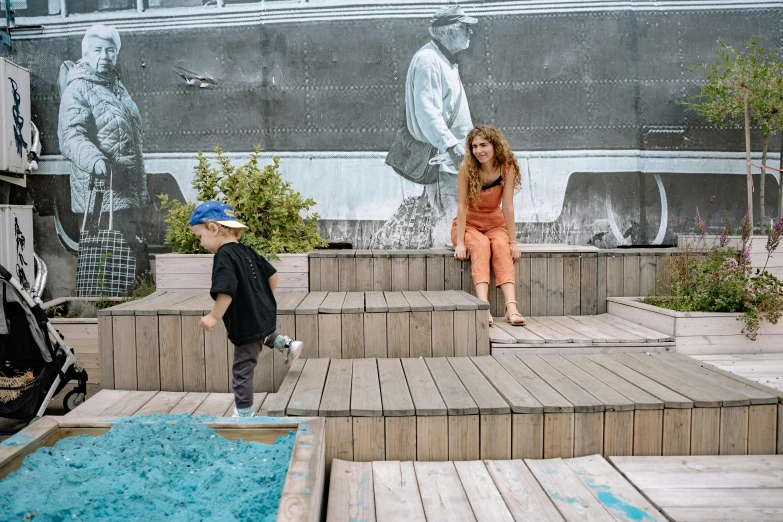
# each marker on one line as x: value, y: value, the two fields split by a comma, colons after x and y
x: 699, y: 332
x: 303, y: 489
x: 193, y: 272
x: 758, y: 255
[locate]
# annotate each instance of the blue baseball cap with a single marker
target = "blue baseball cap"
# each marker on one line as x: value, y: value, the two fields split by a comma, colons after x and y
x: 215, y: 211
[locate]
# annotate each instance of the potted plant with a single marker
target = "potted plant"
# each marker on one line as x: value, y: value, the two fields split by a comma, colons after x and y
x: 718, y: 302
x: 279, y: 226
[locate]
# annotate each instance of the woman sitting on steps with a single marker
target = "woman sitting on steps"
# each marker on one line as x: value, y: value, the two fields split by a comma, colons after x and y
x: 487, y: 180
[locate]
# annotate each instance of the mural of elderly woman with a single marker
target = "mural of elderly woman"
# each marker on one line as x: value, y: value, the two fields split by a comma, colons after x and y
x: 99, y: 129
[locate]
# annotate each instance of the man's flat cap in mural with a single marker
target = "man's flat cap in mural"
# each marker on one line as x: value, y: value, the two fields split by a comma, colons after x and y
x: 215, y: 211
x: 451, y: 15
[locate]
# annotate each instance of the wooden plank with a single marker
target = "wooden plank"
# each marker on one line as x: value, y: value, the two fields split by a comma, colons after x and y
x: 399, y: 274
x: 611, y: 399
x: 147, y: 353
x: 170, y: 337
x: 520, y: 490
x: 432, y: 441
x: 400, y: 438
x: 396, y: 492
x: 353, y: 303
x: 676, y: 431
x: 762, y: 429
x: 453, y: 273
x: 538, y: 286
x: 482, y: 333
x: 421, y: 334
x: 106, y: 340
x: 614, y: 276
x: 705, y: 430
x: 330, y: 275
x: 336, y: 398
x: 311, y: 304
x: 564, y: 332
x: 647, y: 274
x: 554, y: 289
x: 424, y: 392
x: 702, y: 472
x: 193, y: 355
x: 375, y: 344
x: 398, y: 334
x: 306, y: 327
x: 487, y: 399
x: 495, y: 433
x: 638, y: 330
x: 618, y: 432
x: 216, y: 358
x: 375, y: 302
x: 631, y: 275
x: 527, y: 436
x: 746, y: 514
x: 640, y: 399
x: 482, y: 493
x: 464, y: 333
x: 457, y: 399
x: 395, y: 396
x: 270, y: 372
x: 288, y: 302
x: 588, y: 285
x: 548, y: 334
x: 417, y: 273
x: 396, y: 302
x: 339, y: 439
x: 443, y: 334
x: 648, y: 432
x: 381, y: 274
x: 442, y: 494
x: 464, y: 437
x: 616, y: 494
x: 521, y: 335
x: 314, y: 273
x: 558, y: 435
x: 162, y: 402
x: 518, y: 398
x: 369, y: 441
x: 124, y: 343
x: 716, y: 497
x: 670, y: 399
x: 366, y: 389
x: 330, y: 336
x: 581, y: 400
x: 436, y: 273
x: 189, y: 403
x: 279, y: 404
x: 364, y: 277
x: 572, y: 498
x: 551, y: 401
x: 711, y: 366
x: 333, y: 303
x: 734, y: 431
x: 522, y: 274
x: 612, y: 333
x: 215, y: 404
x: 98, y: 403
x: 601, y: 286
x: 351, y: 494
x: 352, y: 336
x: 588, y: 433
x: 571, y: 284
x: 306, y: 398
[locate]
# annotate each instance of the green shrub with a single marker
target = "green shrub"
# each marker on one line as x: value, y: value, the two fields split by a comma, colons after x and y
x: 262, y: 200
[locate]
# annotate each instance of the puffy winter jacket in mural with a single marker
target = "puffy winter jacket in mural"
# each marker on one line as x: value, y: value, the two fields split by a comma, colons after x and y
x: 99, y: 120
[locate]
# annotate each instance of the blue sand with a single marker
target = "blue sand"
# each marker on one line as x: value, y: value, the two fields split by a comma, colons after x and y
x: 18, y: 439
x: 152, y: 467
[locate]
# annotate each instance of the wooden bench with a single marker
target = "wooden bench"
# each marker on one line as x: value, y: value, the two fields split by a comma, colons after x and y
x: 551, y: 280
x: 506, y: 406
x: 155, y: 343
x: 586, y: 488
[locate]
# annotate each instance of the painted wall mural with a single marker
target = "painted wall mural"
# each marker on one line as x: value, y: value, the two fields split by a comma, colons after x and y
x: 587, y: 97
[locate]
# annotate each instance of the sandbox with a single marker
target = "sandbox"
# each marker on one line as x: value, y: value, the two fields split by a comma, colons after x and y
x: 184, y: 480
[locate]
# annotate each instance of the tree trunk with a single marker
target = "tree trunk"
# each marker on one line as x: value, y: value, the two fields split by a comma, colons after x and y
x: 747, y: 156
x: 762, y: 218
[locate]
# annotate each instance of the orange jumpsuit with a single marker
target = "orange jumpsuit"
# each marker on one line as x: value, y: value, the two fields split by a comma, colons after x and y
x: 486, y: 236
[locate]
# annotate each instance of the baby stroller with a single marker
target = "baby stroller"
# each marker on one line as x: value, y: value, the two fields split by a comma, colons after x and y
x: 35, y: 362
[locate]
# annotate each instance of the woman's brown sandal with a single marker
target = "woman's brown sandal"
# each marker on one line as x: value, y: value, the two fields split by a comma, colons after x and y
x: 510, y: 319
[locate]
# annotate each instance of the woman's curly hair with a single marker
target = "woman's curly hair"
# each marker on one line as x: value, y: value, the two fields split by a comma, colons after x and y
x: 503, y: 155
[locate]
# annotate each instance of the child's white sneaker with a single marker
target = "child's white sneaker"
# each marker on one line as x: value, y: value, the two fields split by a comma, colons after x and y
x: 291, y: 348
x: 243, y: 412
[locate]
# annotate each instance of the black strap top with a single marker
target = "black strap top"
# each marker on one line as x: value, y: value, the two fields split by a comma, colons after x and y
x: 494, y: 183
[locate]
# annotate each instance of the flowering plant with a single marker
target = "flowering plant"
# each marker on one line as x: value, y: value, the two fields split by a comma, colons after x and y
x: 721, y: 279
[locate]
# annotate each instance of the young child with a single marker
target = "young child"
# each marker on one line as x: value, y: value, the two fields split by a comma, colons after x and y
x: 243, y: 283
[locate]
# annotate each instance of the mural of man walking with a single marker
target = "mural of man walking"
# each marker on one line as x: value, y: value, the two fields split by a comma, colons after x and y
x: 437, y: 114
x: 100, y: 132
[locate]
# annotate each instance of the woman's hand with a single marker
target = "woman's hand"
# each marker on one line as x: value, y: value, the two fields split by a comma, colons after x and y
x: 461, y: 252
x: 516, y: 252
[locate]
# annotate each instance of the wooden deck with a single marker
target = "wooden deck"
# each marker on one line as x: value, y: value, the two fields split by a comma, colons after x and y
x: 506, y: 406
x: 759, y: 367
x: 622, y: 489
x: 709, y: 489
x: 586, y: 488
x: 576, y: 334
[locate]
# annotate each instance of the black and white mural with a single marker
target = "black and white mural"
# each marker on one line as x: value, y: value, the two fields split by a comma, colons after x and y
x: 586, y: 93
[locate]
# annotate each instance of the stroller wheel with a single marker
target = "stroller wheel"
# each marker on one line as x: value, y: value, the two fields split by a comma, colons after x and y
x: 72, y: 400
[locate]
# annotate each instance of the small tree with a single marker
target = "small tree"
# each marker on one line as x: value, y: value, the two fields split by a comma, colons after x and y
x: 276, y: 215
x: 744, y: 88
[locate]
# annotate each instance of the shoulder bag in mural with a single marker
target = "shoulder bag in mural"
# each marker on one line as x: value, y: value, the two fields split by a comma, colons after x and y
x: 410, y: 158
x: 105, y: 266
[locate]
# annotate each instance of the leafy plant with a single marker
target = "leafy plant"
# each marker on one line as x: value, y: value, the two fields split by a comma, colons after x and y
x: 719, y: 279
x: 143, y: 285
x: 744, y: 88
x: 276, y: 215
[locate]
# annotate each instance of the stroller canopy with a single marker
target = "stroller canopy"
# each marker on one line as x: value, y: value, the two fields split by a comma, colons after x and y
x: 9, y: 296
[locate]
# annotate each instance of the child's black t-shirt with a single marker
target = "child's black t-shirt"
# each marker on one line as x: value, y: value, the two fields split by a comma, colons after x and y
x: 238, y: 271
